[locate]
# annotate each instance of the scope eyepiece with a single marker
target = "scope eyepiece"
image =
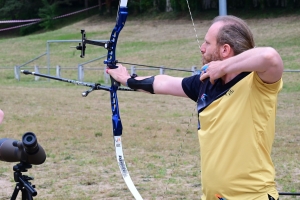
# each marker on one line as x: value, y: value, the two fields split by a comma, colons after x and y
x: 30, y: 143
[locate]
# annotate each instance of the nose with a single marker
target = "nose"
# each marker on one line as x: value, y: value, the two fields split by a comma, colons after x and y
x: 202, y: 48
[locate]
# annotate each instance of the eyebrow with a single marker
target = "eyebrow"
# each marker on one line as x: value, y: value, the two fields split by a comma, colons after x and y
x: 206, y: 41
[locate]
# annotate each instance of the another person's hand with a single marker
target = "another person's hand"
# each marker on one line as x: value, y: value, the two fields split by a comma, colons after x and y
x: 1, y: 116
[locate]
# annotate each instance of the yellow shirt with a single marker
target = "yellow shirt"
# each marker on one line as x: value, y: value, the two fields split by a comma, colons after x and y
x: 236, y: 137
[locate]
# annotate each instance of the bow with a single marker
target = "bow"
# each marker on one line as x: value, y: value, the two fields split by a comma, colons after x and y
x: 111, y: 63
x: 116, y: 119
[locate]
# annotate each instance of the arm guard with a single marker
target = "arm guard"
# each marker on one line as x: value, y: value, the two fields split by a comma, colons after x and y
x: 145, y: 84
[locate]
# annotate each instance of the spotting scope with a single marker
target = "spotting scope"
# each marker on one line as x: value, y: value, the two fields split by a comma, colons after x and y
x: 27, y: 151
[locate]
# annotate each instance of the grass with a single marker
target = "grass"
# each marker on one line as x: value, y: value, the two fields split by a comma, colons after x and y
x: 159, y: 132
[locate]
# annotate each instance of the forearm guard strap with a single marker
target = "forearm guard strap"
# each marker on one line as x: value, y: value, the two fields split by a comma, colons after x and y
x: 145, y: 84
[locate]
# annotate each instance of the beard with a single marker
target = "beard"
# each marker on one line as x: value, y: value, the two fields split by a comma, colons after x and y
x: 210, y: 57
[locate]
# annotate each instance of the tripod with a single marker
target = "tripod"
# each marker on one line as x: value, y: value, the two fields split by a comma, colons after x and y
x: 22, y: 182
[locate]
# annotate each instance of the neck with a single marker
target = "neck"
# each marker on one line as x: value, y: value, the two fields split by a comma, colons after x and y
x: 228, y: 77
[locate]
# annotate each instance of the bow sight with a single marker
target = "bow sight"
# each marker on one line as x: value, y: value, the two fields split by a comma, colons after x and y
x: 107, y: 44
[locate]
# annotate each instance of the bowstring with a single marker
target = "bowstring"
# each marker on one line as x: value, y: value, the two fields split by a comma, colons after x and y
x: 180, y: 151
x: 195, y: 108
x: 193, y: 24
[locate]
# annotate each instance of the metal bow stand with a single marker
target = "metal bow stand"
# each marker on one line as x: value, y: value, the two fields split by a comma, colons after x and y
x: 22, y: 182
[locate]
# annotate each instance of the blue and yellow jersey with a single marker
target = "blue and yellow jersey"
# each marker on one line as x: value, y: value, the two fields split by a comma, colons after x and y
x: 236, y: 133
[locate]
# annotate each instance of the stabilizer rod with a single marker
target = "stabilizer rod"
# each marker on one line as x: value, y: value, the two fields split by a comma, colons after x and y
x: 93, y: 86
x: 289, y: 193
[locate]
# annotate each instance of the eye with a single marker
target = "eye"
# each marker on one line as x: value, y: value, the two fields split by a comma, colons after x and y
x: 205, y: 42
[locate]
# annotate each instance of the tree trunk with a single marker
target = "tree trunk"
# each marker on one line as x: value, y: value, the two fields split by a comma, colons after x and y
x: 154, y: 3
x: 100, y: 5
x: 168, y: 6
x: 108, y: 6
x: 206, y: 4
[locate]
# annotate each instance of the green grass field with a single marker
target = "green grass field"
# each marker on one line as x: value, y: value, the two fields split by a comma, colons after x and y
x: 159, y: 132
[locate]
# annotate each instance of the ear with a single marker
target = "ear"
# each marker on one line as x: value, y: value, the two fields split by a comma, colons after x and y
x: 226, y: 51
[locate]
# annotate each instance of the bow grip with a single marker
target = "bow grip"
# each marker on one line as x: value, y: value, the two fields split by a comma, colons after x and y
x: 114, y: 82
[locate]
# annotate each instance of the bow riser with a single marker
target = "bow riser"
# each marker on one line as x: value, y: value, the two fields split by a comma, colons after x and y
x: 120, y: 22
x: 116, y: 120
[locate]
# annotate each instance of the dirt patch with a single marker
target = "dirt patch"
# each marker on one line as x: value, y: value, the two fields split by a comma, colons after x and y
x: 6, y: 188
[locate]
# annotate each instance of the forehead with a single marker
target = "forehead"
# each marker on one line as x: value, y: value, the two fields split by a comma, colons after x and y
x: 213, y: 30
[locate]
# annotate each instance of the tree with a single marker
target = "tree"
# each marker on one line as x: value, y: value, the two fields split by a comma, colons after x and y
x: 12, y: 9
x: 47, y: 13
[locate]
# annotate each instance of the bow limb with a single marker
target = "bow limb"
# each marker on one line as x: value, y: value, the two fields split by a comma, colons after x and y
x: 116, y: 119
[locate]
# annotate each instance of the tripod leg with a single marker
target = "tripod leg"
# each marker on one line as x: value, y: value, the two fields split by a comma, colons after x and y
x: 24, y: 194
x: 15, y: 193
x: 28, y: 194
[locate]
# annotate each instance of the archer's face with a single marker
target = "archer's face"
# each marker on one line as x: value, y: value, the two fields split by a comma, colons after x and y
x: 210, y: 56
x: 209, y: 48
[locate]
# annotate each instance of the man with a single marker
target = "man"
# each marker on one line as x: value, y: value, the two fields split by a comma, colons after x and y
x: 236, y: 95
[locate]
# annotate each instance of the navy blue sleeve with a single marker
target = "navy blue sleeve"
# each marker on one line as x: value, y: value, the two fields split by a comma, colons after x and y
x: 191, y: 86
